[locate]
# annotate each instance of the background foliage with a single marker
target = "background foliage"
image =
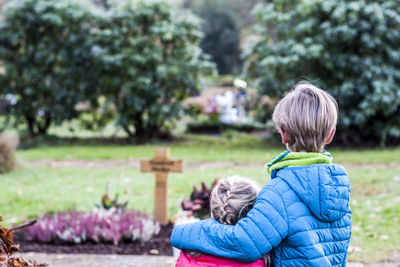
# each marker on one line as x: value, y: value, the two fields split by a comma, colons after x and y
x: 45, y: 51
x: 149, y: 58
x: 134, y: 61
x: 350, y: 48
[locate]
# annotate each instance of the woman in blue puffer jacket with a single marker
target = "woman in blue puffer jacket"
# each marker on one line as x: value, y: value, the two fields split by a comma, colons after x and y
x: 302, y: 216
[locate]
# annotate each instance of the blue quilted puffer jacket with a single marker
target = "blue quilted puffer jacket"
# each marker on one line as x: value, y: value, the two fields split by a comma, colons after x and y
x: 302, y: 217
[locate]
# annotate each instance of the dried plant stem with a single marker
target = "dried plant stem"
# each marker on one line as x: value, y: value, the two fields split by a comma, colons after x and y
x: 21, y: 226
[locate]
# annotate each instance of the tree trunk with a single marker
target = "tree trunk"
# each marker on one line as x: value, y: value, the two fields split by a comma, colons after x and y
x: 128, y: 131
x: 35, y: 128
x: 384, y: 135
x: 141, y: 134
x: 154, y: 130
x: 42, y: 129
x: 30, y: 120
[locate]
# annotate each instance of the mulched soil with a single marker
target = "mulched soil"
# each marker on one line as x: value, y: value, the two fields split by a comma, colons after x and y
x: 158, y: 245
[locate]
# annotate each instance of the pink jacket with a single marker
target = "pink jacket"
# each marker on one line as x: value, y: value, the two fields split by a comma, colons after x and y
x: 185, y: 260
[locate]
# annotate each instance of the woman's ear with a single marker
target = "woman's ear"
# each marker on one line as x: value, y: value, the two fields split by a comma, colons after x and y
x: 329, y: 139
x: 284, y: 136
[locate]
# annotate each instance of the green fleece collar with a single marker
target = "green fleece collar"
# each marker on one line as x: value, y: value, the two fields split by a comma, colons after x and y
x: 290, y: 159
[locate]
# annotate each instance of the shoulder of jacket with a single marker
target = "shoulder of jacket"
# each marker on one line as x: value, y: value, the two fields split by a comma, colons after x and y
x: 278, y: 185
x: 278, y: 188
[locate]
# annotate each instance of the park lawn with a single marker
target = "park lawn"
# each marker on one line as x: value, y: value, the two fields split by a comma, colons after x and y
x: 375, y: 204
x: 192, y: 148
x: 239, y: 148
x: 33, y: 190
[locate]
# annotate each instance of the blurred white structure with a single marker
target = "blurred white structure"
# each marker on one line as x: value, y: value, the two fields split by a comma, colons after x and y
x: 228, y: 112
x: 239, y: 83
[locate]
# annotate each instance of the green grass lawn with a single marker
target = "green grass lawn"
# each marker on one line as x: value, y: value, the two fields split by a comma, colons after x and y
x: 239, y: 148
x: 33, y: 190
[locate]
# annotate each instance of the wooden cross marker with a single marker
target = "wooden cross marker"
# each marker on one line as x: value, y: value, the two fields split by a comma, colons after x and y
x: 161, y: 164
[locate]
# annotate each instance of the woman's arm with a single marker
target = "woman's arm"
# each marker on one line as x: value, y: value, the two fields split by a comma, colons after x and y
x: 263, y: 228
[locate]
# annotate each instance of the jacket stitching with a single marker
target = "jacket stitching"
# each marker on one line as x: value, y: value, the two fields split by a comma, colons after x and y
x: 310, y: 259
x: 319, y: 192
x: 338, y: 185
x: 317, y: 165
x: 267, y: 201
x: 345, y: 198
x: 180, y: 236
x: 323, y: 242
x: 284, y: 205
x: 312, y: 216
x: 338, y: 210
x: 270, y: 221
x: 309, y: 230
x: 296, y: 202
x: 241, y: 248
x: 189, y: 235
x: 262, y: 234
x: 252, y: 243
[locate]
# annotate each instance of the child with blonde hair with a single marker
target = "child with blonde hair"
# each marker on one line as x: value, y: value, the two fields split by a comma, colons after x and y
x: 231, y: 199
x: 302, y: 216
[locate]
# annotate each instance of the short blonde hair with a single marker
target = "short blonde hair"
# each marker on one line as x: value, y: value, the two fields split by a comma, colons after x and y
x: 232, y: 198
x: 308, y: 115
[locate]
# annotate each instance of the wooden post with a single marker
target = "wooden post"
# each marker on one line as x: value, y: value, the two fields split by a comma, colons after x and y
x: 161, y: 164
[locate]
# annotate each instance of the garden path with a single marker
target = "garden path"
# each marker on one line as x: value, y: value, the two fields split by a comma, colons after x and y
x: 96, y: 260
x: 93, y: 260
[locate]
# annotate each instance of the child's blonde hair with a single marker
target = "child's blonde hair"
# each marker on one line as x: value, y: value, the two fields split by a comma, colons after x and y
x: 308, y: 115
x: 232, y: 198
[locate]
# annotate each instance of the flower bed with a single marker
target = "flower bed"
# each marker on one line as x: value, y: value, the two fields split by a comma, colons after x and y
x: 157, y: 245
x: 108, y: 229
x: 99, y: 225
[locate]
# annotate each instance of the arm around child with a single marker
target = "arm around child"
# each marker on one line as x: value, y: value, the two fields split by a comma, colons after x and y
x: 264, y: 227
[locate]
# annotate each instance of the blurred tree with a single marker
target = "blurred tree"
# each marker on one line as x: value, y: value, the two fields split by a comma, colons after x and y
x: 150, y: 57
x: 102, y: 3
x: 45, y: 48
x: 221, y: 34
x: 242, y: 10
x: 349, y: 48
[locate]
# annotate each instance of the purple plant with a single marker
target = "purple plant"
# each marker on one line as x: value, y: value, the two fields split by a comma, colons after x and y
x: 99, y: 225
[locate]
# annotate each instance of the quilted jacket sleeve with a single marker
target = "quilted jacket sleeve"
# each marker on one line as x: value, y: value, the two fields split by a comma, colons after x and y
x: 263, y: 228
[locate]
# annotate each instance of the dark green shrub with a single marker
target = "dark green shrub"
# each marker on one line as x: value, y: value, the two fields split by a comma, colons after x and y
x: 45, y: 49
x: 96, y: 114
x: 349, y: 48
x: 193, y: 110
x: 150, y: 57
